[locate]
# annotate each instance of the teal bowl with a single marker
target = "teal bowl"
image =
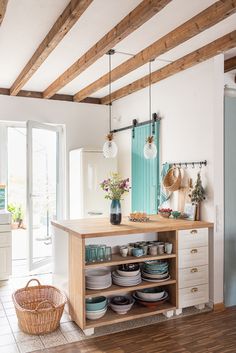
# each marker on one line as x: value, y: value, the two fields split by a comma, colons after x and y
x: 137, y: 252
x: 94, y: 304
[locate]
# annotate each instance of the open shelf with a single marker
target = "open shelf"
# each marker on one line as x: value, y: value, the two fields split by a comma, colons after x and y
x: 117, y: 259
x: 114, y: 289
x: 136, y: 312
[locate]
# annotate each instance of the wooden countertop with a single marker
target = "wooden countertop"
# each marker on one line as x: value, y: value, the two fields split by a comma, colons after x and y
x: 101, y: 227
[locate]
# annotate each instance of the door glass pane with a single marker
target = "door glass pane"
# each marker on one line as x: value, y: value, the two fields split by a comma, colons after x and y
x: 44, y: 190
x: 16, y: 187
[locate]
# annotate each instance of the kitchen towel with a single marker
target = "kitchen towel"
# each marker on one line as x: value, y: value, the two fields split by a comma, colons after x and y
x: 164, y: 194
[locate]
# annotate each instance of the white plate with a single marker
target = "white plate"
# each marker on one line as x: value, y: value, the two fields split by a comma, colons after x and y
x: 117, y: 275
x: 127, y: 284
x: 98, y: 273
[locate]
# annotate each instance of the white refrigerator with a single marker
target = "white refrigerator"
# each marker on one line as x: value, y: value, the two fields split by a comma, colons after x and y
x: 88, y: 168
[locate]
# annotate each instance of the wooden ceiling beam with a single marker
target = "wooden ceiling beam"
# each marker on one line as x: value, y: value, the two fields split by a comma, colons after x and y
x: 208, y: 51
x: 230, y: 64
x: 3, y: 9
x: 136, y: 18
x: 57, y: 97
x: 61, y: 27
x: 197, y: 24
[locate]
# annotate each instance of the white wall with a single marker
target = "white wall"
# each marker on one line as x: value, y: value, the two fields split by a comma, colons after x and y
x: 86, y: 124
x: 191, y: 106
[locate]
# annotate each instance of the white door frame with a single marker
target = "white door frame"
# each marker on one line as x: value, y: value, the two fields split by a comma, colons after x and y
x: 59, y: 129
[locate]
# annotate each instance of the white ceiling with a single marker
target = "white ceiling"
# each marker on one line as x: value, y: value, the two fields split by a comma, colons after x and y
x: 28, y: 21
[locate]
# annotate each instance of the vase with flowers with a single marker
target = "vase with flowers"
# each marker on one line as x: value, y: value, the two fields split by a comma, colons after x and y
x: 114, y: 188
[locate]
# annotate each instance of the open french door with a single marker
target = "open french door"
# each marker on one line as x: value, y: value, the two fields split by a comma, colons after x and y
x: 44, y: 189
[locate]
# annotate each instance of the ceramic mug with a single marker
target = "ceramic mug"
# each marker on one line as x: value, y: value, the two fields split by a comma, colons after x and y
x: 168, y: 248
x: 145, y: 249
x: 152, y: 250
x: 130, y: 250
x: 160, y: 249
x: 124, y: 251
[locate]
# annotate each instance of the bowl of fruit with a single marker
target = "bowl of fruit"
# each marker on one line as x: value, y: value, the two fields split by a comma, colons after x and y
x: 165, y: 212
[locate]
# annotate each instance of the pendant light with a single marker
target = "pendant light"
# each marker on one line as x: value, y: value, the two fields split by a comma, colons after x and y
x: 110, y: 148
x: 150, y: 149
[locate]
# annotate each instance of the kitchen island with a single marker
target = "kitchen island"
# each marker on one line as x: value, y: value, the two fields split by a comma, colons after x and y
x: 188, y: 264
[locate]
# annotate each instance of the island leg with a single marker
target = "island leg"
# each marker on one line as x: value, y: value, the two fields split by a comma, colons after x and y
x: 178, y: 311
x: 77, y: 280
x: 88, y: 331
x: 169, y: 313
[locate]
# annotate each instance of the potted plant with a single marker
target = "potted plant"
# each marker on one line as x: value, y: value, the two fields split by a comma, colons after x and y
x: 17, y: 215
x: 115, y: 187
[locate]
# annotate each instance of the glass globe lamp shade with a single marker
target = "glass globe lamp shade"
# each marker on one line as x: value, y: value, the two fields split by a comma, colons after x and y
x: 110, y: 149
x: 150, y: 150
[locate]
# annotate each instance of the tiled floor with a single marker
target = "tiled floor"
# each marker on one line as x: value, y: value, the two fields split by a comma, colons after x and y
x: 12, y: 340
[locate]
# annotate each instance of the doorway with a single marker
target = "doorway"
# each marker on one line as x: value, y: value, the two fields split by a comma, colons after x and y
x: 34, y: 184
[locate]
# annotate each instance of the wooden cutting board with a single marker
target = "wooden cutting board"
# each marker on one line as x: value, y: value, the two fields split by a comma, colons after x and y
x: 183, y: 196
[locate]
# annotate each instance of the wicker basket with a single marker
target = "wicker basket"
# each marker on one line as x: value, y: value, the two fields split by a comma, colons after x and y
x: 38, y: 308
x: 172, y: 180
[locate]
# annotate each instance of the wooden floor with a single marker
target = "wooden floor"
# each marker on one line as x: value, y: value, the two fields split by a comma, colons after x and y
x: 209, y: 332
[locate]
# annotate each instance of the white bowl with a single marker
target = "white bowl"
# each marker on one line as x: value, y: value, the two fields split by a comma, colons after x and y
x: 95, y: 315
x: 122, y: 309
x: 150, y: 296
x: 128, y: 273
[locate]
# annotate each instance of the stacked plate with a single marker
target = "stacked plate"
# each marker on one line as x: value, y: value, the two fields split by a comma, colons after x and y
x: 98, y: 279
x: 126, y: 278
x: 155, y: 271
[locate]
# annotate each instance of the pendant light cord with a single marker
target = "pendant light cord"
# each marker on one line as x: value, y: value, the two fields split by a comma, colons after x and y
x: 150, y: 96
x: 109, y: 92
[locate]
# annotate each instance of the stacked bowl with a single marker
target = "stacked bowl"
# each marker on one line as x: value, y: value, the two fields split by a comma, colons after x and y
x: 155, y: 271
x: 96, y: 308
x: 98, y: 279
x: 151, y: 297
x: 121, y: 304
x: 127, y: 275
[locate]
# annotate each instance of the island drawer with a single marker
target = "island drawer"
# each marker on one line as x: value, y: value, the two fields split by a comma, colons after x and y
x: 193, y: 276
x: 193, y: 295
x: 193, y: 257
x: 5, y: 239
x: 192, y: 238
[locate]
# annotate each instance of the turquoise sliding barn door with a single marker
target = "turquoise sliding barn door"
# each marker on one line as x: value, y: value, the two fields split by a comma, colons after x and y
x: 145, y: 172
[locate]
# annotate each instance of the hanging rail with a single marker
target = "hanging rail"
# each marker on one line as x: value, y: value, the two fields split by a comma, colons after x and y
x: 155, y: 118
x: 186, y: 164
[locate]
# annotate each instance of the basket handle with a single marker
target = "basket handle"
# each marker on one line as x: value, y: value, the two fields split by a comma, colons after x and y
x: 43, y: 302
x: 33, y: 279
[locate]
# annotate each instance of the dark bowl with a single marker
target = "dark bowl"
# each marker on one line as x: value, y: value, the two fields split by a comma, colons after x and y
x: 120, y: 300
x: 129, y: 267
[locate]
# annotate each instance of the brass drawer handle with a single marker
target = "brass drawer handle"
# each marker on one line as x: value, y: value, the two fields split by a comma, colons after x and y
x: 194, y: 270
x: 194, y: 231
x: 194, y: 290
x: 193, y: 251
